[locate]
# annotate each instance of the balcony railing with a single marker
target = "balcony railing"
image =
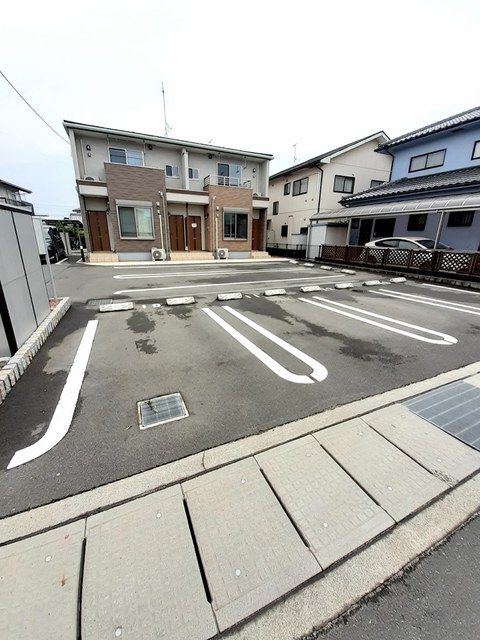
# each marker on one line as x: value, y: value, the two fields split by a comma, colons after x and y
x: 227, y: 181
x: 21, y: 204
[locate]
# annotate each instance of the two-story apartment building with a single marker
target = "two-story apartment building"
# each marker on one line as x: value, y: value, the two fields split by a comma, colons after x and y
x: 434, y: 191
x: 316, y: 185
x: 140, y: 192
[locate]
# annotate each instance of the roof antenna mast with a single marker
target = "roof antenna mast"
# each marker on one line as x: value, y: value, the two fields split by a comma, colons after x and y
x: 295, y: 153
x: 167, y: 126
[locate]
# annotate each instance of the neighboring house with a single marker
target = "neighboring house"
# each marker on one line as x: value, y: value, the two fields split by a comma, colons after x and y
x: 434, y: 190
x: 24, y: 302
x: 141, y: 192
x: 316, y: 185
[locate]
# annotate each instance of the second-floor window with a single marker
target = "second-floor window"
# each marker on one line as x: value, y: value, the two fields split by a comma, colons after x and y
x: 275, y: 208
x: 229, y: 175
x: 300, y: 186
x: 284, y: 231
x: 286, y: 189
x: 193, y: 174
x: 427, y: 160
x: 171, y: 171
x: 375, y: 183
x: 125, y: 156
x: 476, y: 150
x: 344, y: 184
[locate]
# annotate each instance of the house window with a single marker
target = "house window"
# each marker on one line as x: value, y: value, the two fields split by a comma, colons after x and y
x: 343, y: 184
x: 286, y: 188
x: 275, y: 208
x: 235, y: 226
x: 375, y: 183
x: 427, y: 160
x: 476, y: 150
x: 124, y: 156
x: 460, y: 218
x: 193, y: 174
x: 303, y: 231
x: 171, y: 171
x: 135, y: 222
x: 300, y: 186
x: 284, y: 229
x: 417, y: 222
x: 229, y: 175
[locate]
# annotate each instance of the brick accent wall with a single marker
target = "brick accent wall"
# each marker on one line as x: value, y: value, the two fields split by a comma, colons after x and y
x: 134, y: 183
x: 235, y: 198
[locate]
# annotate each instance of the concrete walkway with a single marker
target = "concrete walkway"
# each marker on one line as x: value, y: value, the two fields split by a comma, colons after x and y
x: 269, y: 539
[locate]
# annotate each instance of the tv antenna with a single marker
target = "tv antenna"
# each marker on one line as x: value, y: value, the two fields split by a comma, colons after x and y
x: 167, y: 126
x: 295, y: 153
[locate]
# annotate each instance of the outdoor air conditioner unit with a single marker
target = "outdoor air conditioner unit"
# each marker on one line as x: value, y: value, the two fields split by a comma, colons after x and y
x: 222, y: 254
x: 158, y: 254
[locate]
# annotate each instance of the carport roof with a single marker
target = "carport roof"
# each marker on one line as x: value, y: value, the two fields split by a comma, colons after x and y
x: 403, y: 207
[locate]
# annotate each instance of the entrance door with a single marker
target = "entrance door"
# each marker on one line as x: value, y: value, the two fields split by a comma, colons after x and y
x: 365, y: 231
x: 194, y: 233
x: 177, y: 235
x: 98, y: 227
x: 255, y: 234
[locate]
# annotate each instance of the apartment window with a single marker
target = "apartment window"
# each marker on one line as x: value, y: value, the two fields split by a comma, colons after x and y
x: 275, y: 208
x: 284, y: 230
x: 303, y: 231
x: 135, y: 222
x: 171, y: 171
x: 229, y: 175
x: 124, y: 156
x: 343, y: 184
x: 460, y: 218
x: 375, y: 183
x: 417, y: 222
x: 300, y: 186
x: 286, y: 188
x: 193, y: 174
x: 235, y: 226
x: 476, y: 150
x: 427, y: 160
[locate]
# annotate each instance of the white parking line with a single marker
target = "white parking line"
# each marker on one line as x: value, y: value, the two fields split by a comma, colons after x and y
x: 319, y: 372
x: 218, y: 284
x: 434, y: 302
x: 451, y: 289
x: 136, y: 276
x: 62, y: 417
x: 61, y: 261
x: 444, y: 338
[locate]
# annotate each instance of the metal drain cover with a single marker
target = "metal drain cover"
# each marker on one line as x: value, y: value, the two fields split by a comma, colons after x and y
x: 96, y: 302
x: 156, y: 411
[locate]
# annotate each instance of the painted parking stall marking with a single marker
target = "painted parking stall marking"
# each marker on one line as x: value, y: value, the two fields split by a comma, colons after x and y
x: 337, y: 307
x: 319, y: 372
x: 434, y: 302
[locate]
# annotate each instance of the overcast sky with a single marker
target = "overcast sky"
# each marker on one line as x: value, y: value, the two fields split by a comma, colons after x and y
x: 256, y: 75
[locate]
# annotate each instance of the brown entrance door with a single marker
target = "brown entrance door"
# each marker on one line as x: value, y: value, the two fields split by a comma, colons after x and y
x: 255, y: 234
x: 177, y: 236
x: 97, y: 224
x: 194, y: 232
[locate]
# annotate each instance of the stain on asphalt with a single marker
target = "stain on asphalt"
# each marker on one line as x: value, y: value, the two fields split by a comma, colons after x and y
x: 139, y: 322
x: 147, y: 345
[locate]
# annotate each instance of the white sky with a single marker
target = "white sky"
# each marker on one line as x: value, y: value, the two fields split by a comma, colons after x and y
x: 256, y: 75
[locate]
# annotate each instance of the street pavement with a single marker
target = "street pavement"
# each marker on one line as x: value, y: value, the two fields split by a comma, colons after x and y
x: 200, y: 556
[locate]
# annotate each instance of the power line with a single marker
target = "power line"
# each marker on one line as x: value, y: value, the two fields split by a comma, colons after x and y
x: 34, y: 111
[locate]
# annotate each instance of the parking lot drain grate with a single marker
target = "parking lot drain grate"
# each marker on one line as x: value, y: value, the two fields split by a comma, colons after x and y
x: 97, y: 302
x: 157, y: 411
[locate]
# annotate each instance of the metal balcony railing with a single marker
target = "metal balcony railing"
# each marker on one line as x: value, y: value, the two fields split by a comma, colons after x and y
x: 227, y: 181
x: 23, y: 204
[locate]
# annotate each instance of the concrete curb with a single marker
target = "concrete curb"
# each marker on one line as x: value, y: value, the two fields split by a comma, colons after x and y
x: 18, y: 363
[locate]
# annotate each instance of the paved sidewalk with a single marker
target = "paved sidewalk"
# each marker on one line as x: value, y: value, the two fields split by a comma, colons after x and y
x: 196, y: 558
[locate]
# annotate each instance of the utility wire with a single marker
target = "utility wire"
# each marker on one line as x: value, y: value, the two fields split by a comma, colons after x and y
x: 34, y: 111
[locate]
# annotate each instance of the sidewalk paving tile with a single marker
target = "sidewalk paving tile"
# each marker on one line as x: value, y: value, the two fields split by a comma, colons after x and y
x: 250, y: 550
x: 330, y: 510
x: 440, y: 453
x: 39, y: 581
x: 397, y: 483
x: 141, y: 576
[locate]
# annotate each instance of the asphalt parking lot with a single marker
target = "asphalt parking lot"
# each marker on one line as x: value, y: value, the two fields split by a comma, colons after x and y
x: 241, y: 367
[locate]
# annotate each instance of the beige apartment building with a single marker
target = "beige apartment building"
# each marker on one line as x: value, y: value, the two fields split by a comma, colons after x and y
x: 146, y: 197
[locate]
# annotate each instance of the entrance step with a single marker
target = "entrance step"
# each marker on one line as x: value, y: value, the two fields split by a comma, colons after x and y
x: 179, y: 256
x: 102, y: 256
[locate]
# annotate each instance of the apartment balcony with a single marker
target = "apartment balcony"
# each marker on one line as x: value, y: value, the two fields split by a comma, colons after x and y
x: 17, y: 204
x: 226, y: 181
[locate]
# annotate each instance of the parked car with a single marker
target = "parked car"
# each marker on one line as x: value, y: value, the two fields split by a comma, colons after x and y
x: 54, y: 244
x: 412, y: 242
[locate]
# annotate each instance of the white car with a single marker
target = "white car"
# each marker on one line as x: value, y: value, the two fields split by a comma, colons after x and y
x: 412, y: 242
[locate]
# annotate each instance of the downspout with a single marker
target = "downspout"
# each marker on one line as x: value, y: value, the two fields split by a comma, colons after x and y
x: 167, y: 235
x: 213, y: 218
x: 318, y: 209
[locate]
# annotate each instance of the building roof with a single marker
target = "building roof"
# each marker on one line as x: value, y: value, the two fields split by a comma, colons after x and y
x: 461, y: 202
x: 78, y: 126
x: 326, y: 157
x: 471, y: 115
x: 14, y: 186
x: 405, y: 186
